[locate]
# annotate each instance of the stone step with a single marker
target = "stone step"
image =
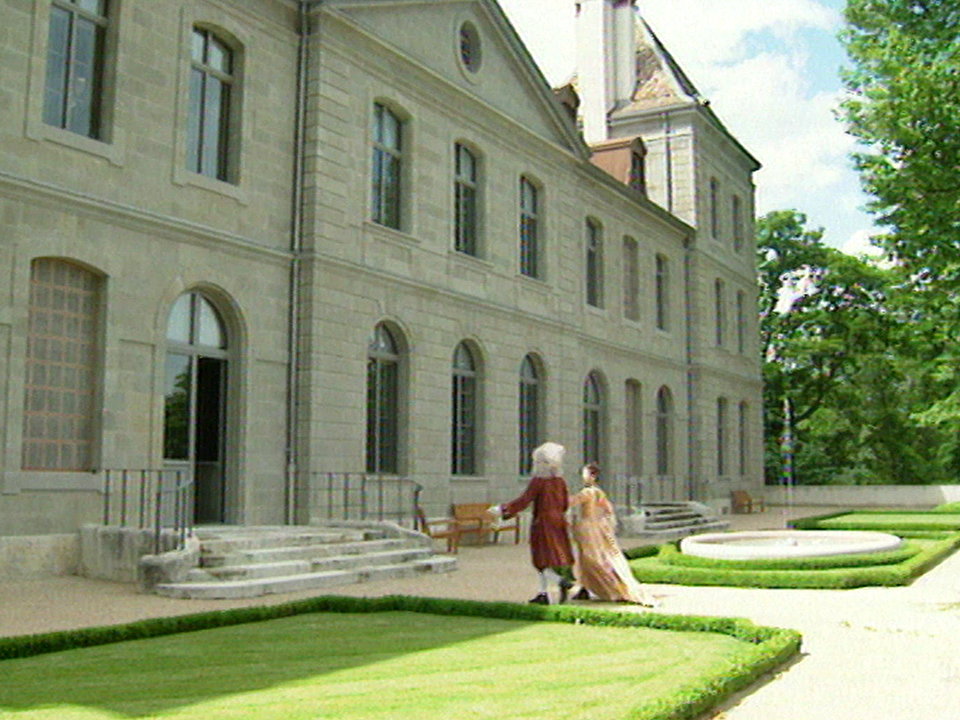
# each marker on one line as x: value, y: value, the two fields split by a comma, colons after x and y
x: 223, y: 543
x: 675, y: 533
x: 257, y: 587
x: 298, y: 552
x: 308, y: 565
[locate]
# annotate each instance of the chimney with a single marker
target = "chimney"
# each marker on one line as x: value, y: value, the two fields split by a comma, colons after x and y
x: 606, y: 61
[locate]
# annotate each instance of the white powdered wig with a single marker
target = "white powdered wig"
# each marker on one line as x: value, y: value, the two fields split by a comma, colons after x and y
x: 548, y: 460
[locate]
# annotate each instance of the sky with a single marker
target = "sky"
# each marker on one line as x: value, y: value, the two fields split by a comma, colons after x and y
x: 770, y: 71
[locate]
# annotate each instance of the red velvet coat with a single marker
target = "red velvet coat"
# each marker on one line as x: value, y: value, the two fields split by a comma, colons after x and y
x: 549, y: 539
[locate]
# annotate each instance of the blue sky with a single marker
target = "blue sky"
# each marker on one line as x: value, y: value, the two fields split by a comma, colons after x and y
x: 770, y: 71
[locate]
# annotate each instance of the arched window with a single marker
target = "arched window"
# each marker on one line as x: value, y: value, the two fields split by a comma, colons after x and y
x: 383, y: 402
x: 742, y: 422
x: 664, y: 431
x: 463, y: 431
x: 63, y: 355
x: 531, y: 432
x: 593, y: 413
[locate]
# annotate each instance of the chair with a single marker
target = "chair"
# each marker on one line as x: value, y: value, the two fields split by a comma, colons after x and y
x: 440, y: 529
x: 475, y: 518
x: 742, y: 502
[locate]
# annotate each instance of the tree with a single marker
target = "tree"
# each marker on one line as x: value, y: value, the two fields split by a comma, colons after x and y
x: 832, y: 341
x: 904, y: 108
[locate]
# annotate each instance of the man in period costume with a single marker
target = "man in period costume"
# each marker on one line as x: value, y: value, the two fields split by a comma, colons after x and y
x: 549, y: 539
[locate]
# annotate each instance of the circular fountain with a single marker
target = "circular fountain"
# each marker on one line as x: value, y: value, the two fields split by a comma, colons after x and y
x: 773, y: 544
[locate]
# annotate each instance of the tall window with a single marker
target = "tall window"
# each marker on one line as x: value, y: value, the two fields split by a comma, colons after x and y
x: 593, y: 412
x: 59, y: 413
x: 529, y: 229
x: 76, y: 42
x: 464, y: 411
x: 465, y: 187
x: 741, y: 322
x: 737, y: 220
x: 383, y: 402
x: 387, y: 166
x: 211, y: 84
x: 662, y: 287
x: 530, y: 426
x: 594, y: 259
x: 714, y: 208
x: 742, y: 423
x: 638, y: 179
x: 634, y: 409
x: 719, y: 313
x: 631, y: 279
x: 722, y: 434
x: 664, y: 430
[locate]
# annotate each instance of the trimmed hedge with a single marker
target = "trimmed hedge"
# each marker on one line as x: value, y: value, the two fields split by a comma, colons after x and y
x: 664, y: 568
x: 765, y: 648
x: 953, y: 507
x: 882, y: 520
x: 888, y: 557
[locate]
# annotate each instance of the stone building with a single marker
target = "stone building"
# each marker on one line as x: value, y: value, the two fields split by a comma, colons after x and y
x: 256, y: 240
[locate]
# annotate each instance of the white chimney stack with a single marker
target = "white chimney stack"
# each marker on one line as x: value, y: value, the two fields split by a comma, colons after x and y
x: 606, y: 61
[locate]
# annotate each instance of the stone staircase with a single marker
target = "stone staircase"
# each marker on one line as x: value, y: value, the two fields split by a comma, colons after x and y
x: 241, y: 562
x: 671, y: 521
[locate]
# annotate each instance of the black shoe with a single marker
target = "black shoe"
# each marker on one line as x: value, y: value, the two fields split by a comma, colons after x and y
x: 565, y: 586
x: 540, y: 599
x: 582, y: 594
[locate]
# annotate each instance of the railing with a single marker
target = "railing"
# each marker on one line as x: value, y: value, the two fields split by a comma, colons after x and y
x: 363, y: 496
x: 631, y: 491
x: 157, y: 500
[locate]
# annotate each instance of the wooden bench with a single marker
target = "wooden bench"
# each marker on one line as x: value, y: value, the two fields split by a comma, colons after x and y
x: 439, y: 528
x: 742, y: 502
x: 476, y: 519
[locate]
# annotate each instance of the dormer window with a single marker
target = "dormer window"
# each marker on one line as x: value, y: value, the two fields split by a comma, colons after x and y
x: 638, y: 180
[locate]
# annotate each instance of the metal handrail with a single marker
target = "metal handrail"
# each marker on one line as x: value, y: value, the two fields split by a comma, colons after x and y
x: 364, y: 496
x: 151, y: 499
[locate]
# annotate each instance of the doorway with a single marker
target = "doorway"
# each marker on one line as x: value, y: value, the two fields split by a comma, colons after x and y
x: 195, y: 403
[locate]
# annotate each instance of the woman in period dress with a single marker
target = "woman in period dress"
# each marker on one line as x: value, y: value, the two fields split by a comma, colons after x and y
x: 550, y: 549
x: 601, y: 568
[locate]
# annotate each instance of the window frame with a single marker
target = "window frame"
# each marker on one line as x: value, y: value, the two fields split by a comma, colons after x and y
x: 386, y: 199
x: 664, y: 431
x: 385, y: 402
x: 662, y: 291
x: 736, y: 211
x: 723, y: 411
x: 631, y: 279
x: 593, y: 418
x: 530, y: 229
x: 464, y: 412
x: 530, y: 411
x: 593, y: 271
x: 714, y: 208
x: 466, y: 200
x: 210, y: 76
x: 720, y: 312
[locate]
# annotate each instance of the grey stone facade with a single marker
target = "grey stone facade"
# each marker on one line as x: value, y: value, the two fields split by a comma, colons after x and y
x: 285, y: 251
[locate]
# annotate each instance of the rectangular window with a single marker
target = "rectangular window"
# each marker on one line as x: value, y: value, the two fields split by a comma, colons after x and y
x: 662, y: 292
x: 637, y: 173
x: 465, y: 189
x: 59, y: 416
x: 737, y: 220
x: 387, y: 166
x: 719, y: 311
x: 714, y: 209
x: 211, y: 83
x: 631, y: 279
x: 594, y: 261
x: 76, y: 43
x: 529, y: 229
x: 741, y: 322
x: 721, y: 436
x: 634, y: 410
x: 742, y: 421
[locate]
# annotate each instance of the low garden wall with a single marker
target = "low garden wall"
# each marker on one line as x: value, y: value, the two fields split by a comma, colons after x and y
x: 32, y: 556
x: 912, y: 496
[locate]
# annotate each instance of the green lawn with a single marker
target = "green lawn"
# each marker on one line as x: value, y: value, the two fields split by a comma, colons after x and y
x: 892, y: 521
x: 382, y: 665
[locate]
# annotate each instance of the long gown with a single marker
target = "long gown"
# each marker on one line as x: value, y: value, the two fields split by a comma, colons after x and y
x: 601, y: 566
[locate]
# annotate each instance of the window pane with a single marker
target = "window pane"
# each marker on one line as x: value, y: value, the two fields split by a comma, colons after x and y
x: 178, y: 326
x: 83, y: 88
x: 177, y: 394
x: 211, y: 332
x: 97, y: 7
x: 198, y: 46
x: 195, y: 120
x: 55, y: 89
x: 218, y: 56
x: 210, y: 127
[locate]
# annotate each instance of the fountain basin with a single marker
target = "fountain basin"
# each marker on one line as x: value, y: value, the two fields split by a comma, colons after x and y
x: 773, y: 544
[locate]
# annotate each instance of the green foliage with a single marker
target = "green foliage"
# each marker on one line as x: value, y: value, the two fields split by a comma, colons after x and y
x: 953, y: 507
x: 904, y: 108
